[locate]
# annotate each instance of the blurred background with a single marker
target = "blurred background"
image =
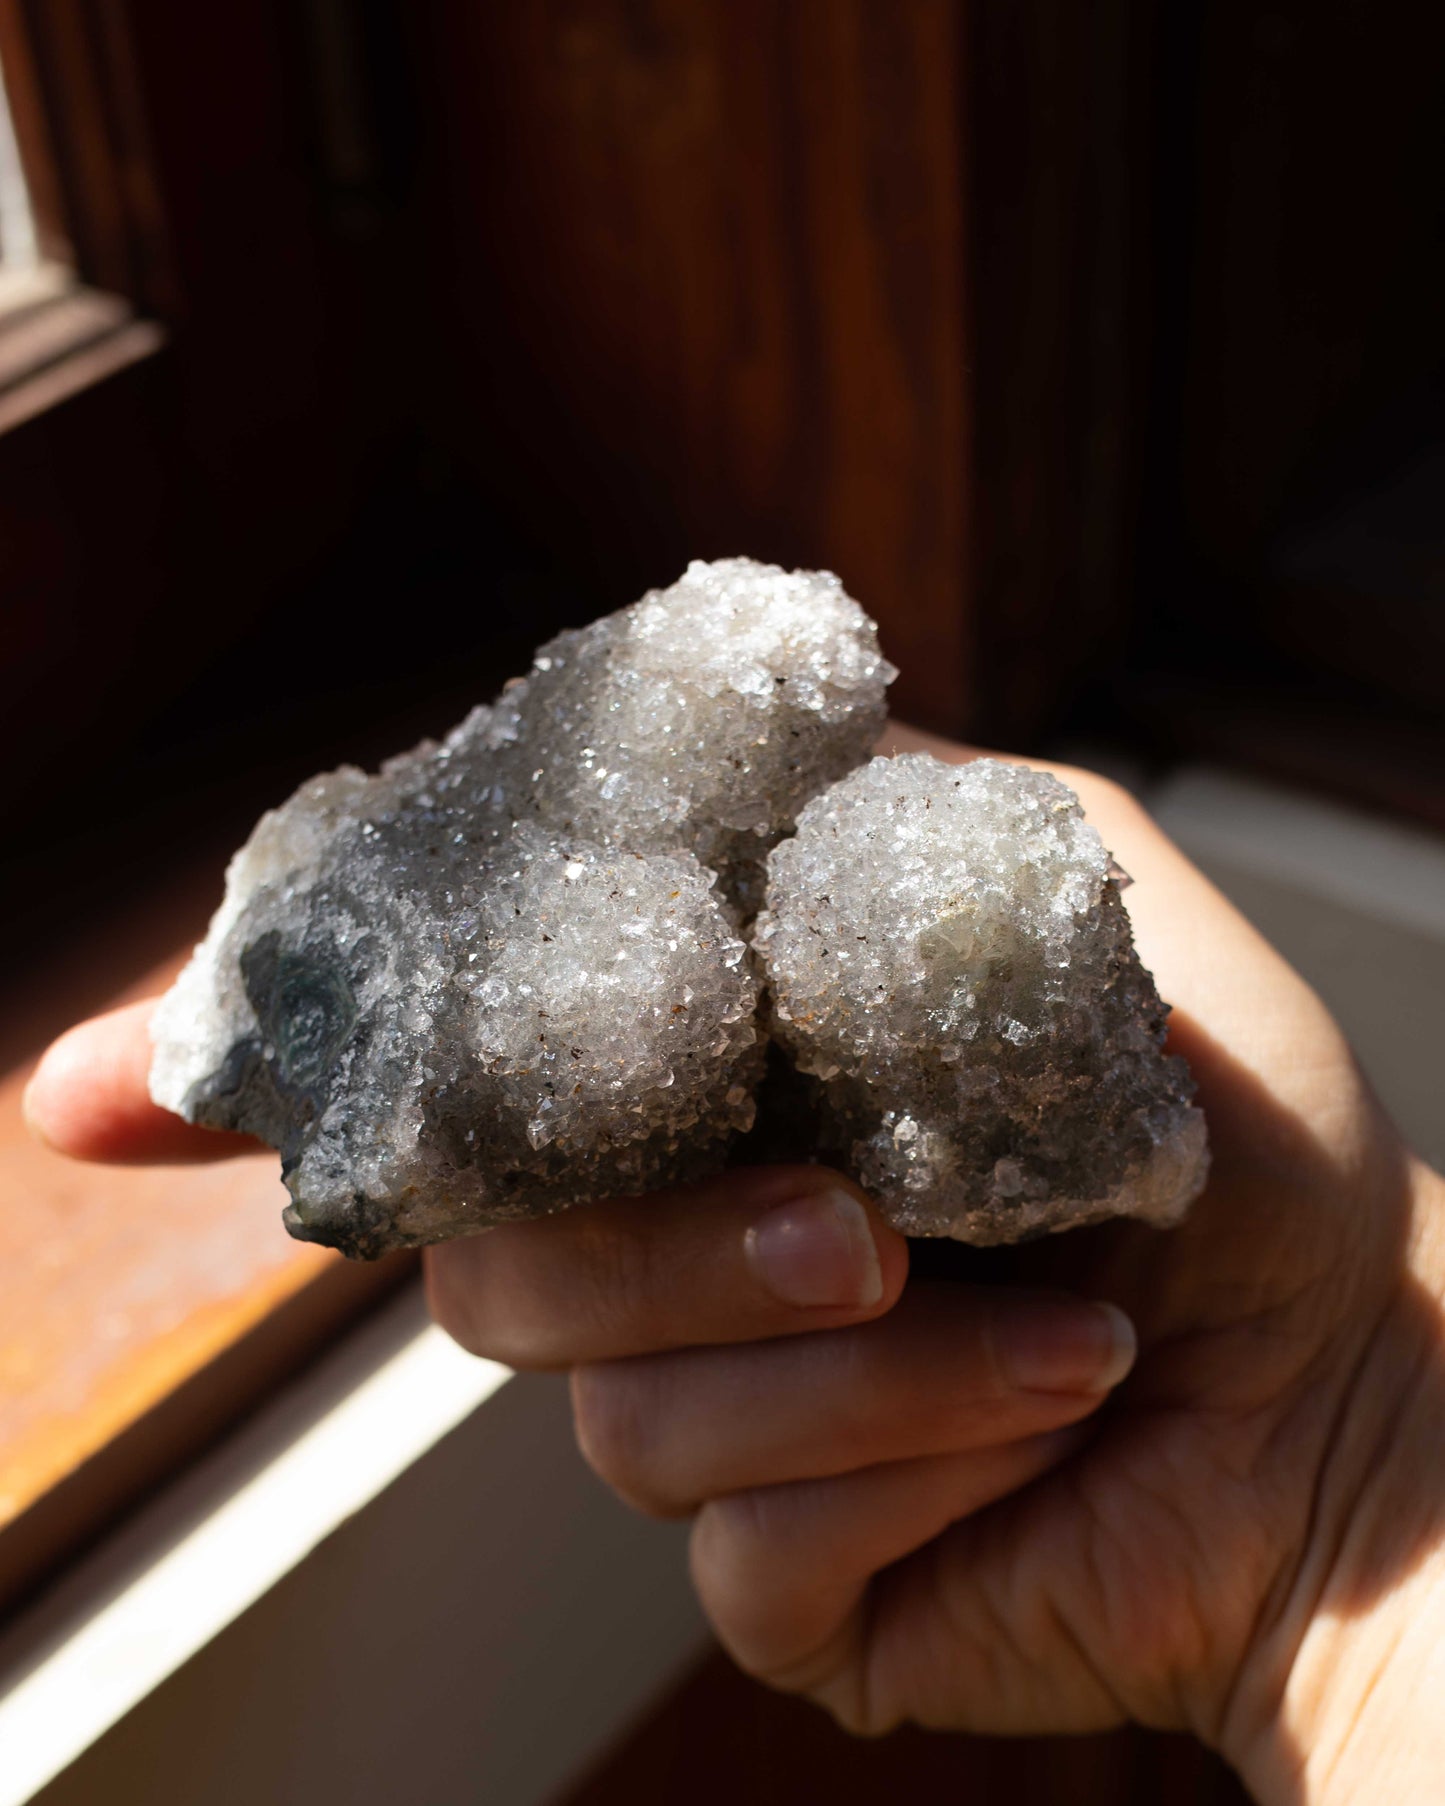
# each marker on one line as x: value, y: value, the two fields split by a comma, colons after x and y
x: 1097, y: 347
x: 350, y: 347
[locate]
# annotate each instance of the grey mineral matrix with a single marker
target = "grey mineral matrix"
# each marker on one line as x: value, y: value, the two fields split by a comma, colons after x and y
x: 539, y: 962
x: 949, y: 958
x: 507, y: 973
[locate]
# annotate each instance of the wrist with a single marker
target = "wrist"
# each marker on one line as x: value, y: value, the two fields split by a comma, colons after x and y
x: 1361, y: 1719
x: 1356, y: 1711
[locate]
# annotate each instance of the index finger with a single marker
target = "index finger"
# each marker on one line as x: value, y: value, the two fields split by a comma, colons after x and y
x: 752, y: 1254
x: 90, y: 1098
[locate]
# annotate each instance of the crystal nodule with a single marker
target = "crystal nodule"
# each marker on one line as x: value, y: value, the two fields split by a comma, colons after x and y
x: 525, y: 967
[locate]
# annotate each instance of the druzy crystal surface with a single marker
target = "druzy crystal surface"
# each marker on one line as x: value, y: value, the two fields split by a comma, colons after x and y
x: 507, y: 973
x: 949, y: 957
x: 702, y: 718
x: 525, y: 967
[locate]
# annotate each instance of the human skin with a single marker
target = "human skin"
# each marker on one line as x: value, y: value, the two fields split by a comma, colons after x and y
x: 958, y: 1503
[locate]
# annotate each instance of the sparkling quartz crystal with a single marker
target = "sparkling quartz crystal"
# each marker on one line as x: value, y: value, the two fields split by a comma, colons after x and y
x: 703, y: 717
x: 506, y: 973
x: 509, y: 972
x: 950, y: 959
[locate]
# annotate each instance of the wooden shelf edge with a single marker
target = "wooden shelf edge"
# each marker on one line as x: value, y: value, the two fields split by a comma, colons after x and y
x: 70, y: 1516
x: 153, y: 1308
x: 63, y: 343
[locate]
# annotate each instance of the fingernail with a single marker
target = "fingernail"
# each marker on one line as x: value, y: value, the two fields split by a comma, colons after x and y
x: 1058, y: 1344
x: 817, y: 1250
x: 28, y: 1115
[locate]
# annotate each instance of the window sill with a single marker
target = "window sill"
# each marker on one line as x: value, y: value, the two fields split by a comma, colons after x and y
x: 147, y: 1308
x: 58, y: 338
x: 398, y: 1581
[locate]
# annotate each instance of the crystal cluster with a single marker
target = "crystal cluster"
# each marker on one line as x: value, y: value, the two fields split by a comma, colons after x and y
x: 702, y: 718
x: 949, y: 957
x: 525, y: 967
x: 507, y: 973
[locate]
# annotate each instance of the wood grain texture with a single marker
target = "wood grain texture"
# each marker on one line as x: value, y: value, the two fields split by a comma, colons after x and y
x: 1058, y: 154
x: 99, y: 194
x: 1309, y: 297
x: 142, y: 1309
x: 699, y: 273
x: 33, y: 134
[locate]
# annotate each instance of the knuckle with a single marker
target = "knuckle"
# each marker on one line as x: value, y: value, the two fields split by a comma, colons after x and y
x: 446, y: 1272
x: 1119, y: 795
x: 612, y: 1414
x: 483, y: 1303
x: 728, y: 1533
x: 844, y: 1696
x: 742, y: 1541
x: 725, y: 1559
x: 515, y: 1342
x: 517, y: 1328
x: 712, y: 1561
x: 589, y: 1290
x: 1100, y: 790
x: 746, y: 1583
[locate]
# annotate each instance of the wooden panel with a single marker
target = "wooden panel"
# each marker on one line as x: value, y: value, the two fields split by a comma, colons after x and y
x: 1310, y: 294
x: 1059, y: 161
x: 84, y: 146
x: 33, y: 135
x: 697, y: 272
x: 836, y: 282
x: 148, y: 526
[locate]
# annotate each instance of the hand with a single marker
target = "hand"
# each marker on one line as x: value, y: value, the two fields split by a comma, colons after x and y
x: 906, y: 1501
